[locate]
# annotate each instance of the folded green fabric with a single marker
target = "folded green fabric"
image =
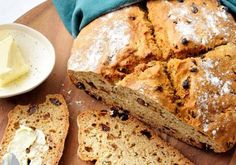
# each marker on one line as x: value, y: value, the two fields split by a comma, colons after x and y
x: 231, y: 4
x: 78, y: 13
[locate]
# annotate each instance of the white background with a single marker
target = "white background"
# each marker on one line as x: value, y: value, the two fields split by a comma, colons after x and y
x: 10, y: 10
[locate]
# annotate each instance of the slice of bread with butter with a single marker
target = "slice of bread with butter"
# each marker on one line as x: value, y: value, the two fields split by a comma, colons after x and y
x: 35, y: 134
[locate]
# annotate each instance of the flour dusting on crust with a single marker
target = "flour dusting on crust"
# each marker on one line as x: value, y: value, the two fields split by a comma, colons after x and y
x: 202, y: 26
x: 118, y: 38
x: 110, y: 40
x: 215, y: 87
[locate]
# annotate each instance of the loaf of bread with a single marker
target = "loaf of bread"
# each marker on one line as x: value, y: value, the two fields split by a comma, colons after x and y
x: 182, y: 97
x: 116, y: 138
x: 49, y: 121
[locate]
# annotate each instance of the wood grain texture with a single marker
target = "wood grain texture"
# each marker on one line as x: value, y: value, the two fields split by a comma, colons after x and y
x: 45, y: 19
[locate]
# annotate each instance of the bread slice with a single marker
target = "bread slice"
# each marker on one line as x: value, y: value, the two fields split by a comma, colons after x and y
x: 51, y: 117
x: 111, y: 137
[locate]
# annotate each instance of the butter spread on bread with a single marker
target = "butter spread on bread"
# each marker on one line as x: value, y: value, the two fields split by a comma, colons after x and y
x: 28, y: 145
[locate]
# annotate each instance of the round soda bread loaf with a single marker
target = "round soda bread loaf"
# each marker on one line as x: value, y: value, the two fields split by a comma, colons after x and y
x: 187, y: 91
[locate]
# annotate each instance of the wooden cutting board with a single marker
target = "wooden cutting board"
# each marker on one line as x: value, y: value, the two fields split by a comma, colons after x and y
x: 45, y: 19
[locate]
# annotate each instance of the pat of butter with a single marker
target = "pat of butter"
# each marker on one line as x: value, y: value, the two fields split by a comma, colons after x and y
x: 12, y: 63
x: 28, y: 145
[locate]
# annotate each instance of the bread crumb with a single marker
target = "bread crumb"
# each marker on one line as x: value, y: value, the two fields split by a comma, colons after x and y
x: 205, y: 127
x: 214, y: 132
x: 78, y: 102
x: 226, y: 88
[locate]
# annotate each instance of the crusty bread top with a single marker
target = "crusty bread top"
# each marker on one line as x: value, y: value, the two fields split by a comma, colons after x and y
x: 113, y: 44
x: 51, y: 117
x: 112, y: 137
x: 151, y: 80
x: 191, y: 26
x: 207, y: 91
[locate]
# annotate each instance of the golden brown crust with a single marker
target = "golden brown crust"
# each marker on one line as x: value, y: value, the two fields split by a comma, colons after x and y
x: 114, y: 44
x: 187, y: 28
x: 152, y: 80
x: 206, y: 87
x: 52, y: 117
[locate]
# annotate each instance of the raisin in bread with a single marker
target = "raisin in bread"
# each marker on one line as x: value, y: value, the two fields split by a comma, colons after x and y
x: 113, y: 137
x: 50, y: 118
x: 148, y: 90
x: 185, y: 28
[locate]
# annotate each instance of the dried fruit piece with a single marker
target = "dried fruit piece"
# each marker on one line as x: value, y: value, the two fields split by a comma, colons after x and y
x: 55, y: 101
x: 146, y: 133
x: 142, y: 102
x: 184, y: 41
x: 80, y: 85
x: 32, y: 109
x: 186, y: 84
x: 105, y: 127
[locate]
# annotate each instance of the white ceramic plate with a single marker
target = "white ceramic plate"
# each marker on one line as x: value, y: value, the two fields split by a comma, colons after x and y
x: 38, y: 53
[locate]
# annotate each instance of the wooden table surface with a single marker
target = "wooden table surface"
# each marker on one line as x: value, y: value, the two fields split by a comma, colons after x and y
x: 45, y: 19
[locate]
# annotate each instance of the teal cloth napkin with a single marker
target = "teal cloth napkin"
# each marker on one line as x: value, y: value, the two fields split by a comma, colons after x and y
x: 231, y: 4
x: 78, y: 13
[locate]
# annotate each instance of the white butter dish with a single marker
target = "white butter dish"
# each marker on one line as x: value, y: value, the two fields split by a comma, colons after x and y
x: 38, y: 53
